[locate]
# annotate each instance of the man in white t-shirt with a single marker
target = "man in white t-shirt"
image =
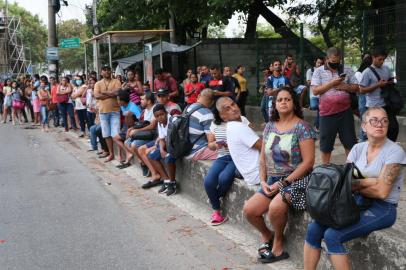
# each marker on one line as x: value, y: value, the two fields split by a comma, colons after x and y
x: 243, y: 143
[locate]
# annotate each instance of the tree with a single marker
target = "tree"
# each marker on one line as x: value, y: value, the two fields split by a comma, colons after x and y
x: 33, y: 31
x: 71, y: 59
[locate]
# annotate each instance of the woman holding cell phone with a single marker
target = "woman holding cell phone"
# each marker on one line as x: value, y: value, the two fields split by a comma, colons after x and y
x: 222, y: 173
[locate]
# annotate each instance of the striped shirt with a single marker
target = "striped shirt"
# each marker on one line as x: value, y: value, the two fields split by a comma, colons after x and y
x: 199, y: 124
x: 333, y: 101
x: 220, y: 133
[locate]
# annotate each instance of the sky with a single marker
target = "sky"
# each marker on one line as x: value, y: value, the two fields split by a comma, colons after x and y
x: 75, y: 10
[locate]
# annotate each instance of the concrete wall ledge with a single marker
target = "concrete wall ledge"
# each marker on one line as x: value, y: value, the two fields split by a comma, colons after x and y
x: 383, y: 249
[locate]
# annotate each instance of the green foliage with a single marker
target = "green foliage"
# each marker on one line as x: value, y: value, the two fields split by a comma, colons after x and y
x: 33, y: 31
x: 71, y: 59
x: 266, y: 31
x: 216, y: 31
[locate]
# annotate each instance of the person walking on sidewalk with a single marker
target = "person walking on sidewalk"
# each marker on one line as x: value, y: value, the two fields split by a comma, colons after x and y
x: 105, y: 91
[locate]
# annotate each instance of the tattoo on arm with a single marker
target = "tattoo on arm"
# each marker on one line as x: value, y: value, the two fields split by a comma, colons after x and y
x: 390, y: 173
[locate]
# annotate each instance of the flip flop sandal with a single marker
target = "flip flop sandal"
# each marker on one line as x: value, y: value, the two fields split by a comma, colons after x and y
x: 271, y: 258
x: 121, y: 163
x: 264, y: 249
x: 124, y: 165
x: 103, y: 156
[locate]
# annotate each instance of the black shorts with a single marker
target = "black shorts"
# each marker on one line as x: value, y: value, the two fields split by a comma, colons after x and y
x: 123, y: 135
x: 341, y: 123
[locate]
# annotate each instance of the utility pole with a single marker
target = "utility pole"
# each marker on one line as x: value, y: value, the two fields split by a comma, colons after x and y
x: 96, y: 47
x: 53, y: 8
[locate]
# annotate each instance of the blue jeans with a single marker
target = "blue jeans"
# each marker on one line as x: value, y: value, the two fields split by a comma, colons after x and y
x: 264, y: 108
x: 156, y: 155
x: 90, y: 119
x: 110, y: 124
x: 314, y: 106
x: 44, y: 115
x: 95, y: 132
x: 379, y: 216
x: 67, y: 109
x: 82, y: 115
x: 219, y: 179
x: 362, y: 107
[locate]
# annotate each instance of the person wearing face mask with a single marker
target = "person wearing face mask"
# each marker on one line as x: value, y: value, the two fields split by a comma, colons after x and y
x: 334, y: 83
x: 79, y: 95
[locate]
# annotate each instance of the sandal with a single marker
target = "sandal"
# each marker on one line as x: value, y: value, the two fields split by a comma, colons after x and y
x: 124, y: 165
x: 271, y: 258
x: 104, y: 155
x: 264, y: 249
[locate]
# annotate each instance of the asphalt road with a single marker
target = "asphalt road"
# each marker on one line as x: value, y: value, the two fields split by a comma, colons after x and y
x: 56, y: 212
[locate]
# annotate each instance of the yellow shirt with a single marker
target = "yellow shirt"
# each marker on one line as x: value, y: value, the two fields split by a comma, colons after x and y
x: 242, y: 81
x: 107, y: 86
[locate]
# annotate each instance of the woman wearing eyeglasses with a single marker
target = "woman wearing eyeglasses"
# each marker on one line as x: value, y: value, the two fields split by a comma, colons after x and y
x: 381, y: 161
x: 287, y: 157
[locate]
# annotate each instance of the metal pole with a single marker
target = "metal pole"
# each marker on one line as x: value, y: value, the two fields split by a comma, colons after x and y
x: 110, y: 60
x: 85, y: 60
x: 52, y: 40
x: 257, y: 59
x: 96, y: 47
x: 161, y: 62
x: 364, y: 32
x: 194, y: 60
x: 342, y: 45
x: 220, y: 56
x: 302, y: 71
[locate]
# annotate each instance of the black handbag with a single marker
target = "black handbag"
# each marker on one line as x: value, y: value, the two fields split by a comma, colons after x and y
x: 141, y: 124
x: 389, y: 93
x: 145, y: 135
x: 330, y: 200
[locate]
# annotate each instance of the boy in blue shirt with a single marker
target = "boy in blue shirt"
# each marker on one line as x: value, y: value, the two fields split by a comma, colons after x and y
x: 131, y: 113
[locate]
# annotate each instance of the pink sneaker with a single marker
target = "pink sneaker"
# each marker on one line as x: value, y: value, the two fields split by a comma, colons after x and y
x: 217, y: 219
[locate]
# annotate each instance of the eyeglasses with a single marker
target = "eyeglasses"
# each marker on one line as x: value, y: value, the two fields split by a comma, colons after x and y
x: 283, y: 99
x: 375, y: 122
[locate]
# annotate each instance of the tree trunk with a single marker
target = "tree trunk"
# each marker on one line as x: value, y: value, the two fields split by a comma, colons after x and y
x: 253, y: 14
x: 281, y: 28
x: 204, y: 32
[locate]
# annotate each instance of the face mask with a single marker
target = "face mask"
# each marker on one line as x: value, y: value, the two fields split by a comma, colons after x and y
x: 78, y: 82
x: 334, y: 65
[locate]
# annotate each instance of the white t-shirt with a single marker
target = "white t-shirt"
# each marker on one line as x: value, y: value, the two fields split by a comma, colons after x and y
x: 163, y: 130
x: 220, y: 133
x: 78, y: 102
x: 358, y: 76
x: 149, y: 114
x: 240, y: 140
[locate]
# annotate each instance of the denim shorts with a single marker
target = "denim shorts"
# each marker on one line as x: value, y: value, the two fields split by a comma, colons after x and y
x: 156, y: 155
x: 379, y: 216
x: 137, y: 143
x: 110, y: 124
x: 272, y: 180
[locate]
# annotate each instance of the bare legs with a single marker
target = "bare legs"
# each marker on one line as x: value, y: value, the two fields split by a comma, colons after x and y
x: 311, y: 257
x: 253, y: 210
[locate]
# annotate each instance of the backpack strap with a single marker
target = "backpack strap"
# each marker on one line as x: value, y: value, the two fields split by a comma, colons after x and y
x: 375, y: 72
x: 188, y: 114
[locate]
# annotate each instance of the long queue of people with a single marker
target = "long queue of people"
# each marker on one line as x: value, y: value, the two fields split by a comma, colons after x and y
x: 141, y: 123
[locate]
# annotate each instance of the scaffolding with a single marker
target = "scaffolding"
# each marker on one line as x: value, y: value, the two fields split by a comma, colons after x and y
x: 12, y: 51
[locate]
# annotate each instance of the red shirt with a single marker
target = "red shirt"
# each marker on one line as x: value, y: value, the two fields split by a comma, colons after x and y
x: 192, y: 91
x: 54, y: 90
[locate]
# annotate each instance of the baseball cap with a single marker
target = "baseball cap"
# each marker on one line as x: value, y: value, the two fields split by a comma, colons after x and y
x: 106, y: 67
x: 162, y: 92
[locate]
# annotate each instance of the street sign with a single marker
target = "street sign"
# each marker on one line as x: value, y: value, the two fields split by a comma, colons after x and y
x: 52, y: 54
x: 70, y: 43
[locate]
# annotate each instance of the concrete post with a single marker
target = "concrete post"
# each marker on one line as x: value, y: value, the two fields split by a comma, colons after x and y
x: 52, y: 40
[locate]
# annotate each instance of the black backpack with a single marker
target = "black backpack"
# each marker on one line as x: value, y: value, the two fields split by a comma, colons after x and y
x: 330, y: 200
x: 178, y: 143
x: 393, y: 99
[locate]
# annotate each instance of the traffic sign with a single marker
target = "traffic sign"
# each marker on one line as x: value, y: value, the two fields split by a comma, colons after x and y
x: 52, y: 54
x: 70, y: 43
